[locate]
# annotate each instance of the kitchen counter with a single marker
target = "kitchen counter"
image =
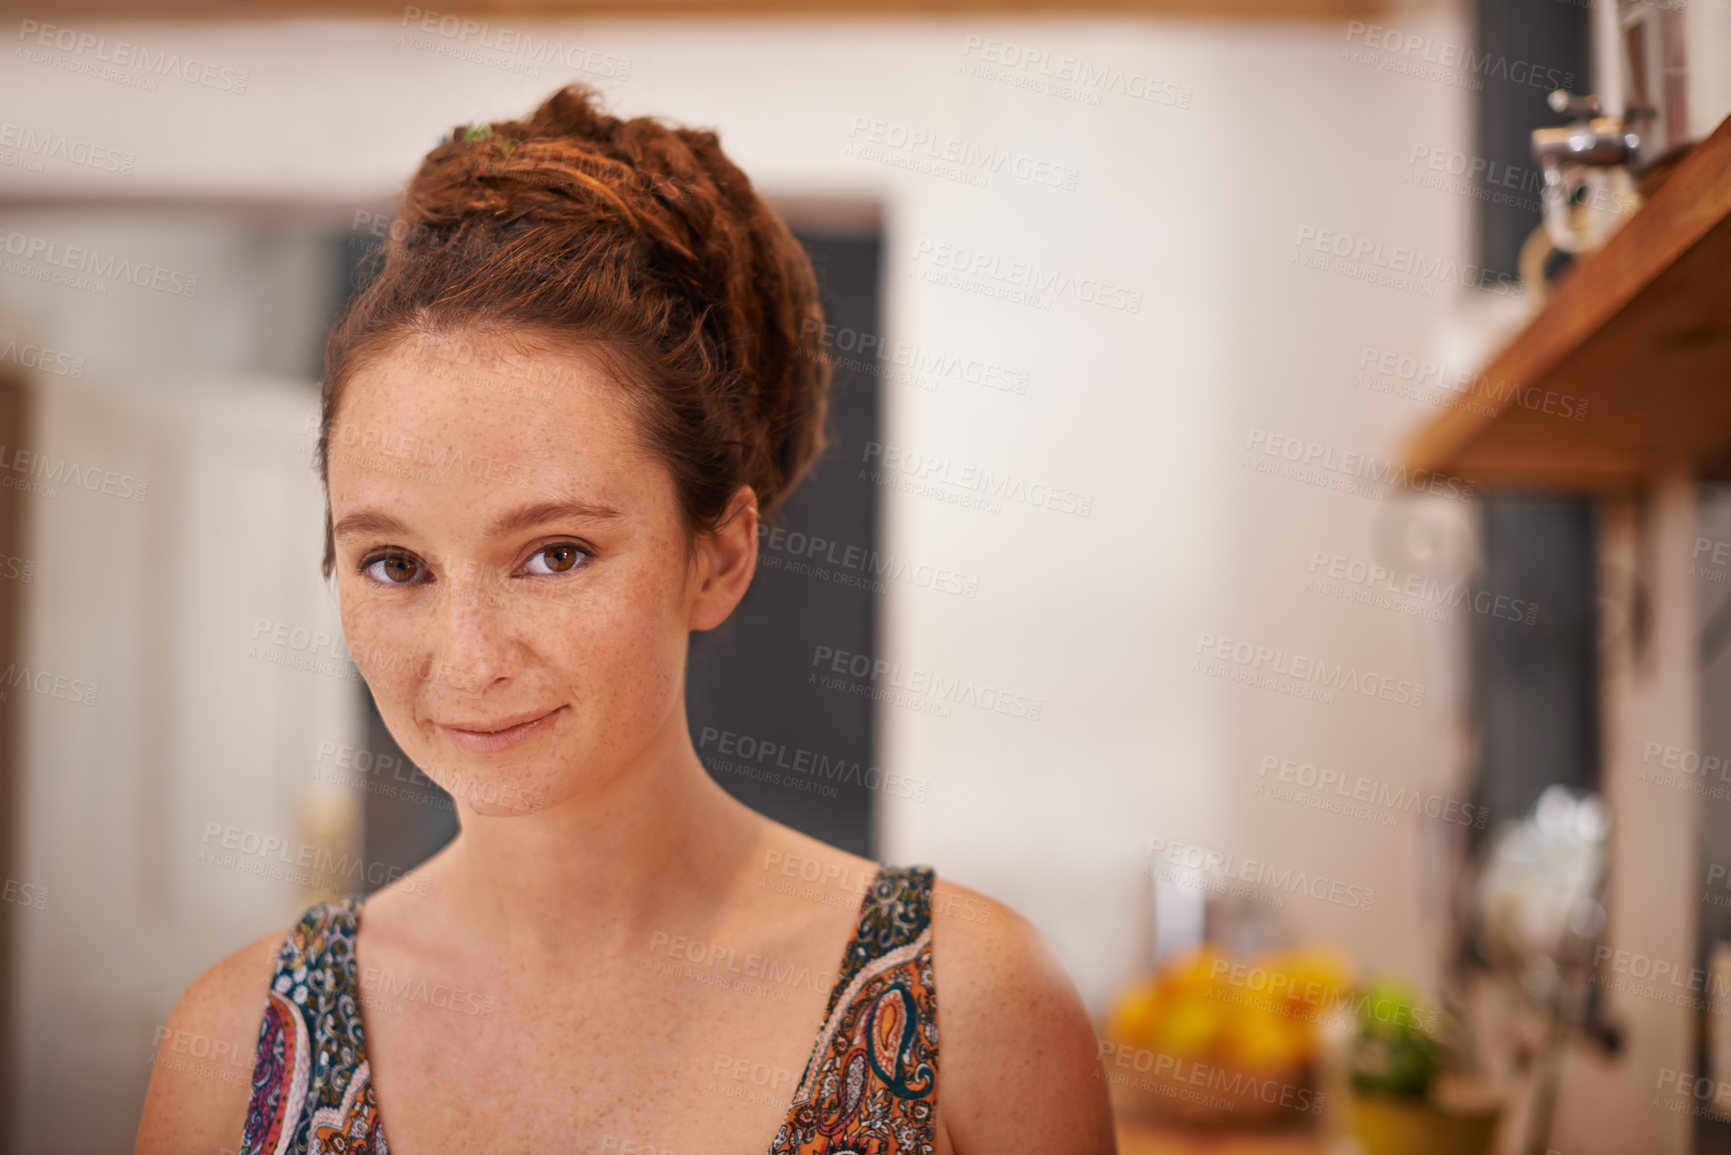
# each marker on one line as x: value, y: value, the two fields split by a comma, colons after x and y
x: 1136, y: 1137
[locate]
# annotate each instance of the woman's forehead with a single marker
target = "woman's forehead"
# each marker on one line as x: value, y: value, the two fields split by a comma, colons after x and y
x: 456, y: 414
x: 485, y: 385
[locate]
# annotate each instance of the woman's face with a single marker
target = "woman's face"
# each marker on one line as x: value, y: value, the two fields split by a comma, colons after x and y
x: 513, y: 580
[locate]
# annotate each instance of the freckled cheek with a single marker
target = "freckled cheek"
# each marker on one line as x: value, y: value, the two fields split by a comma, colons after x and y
x: 622, y: 651
x: 388, y: 647
x: 613, y: 635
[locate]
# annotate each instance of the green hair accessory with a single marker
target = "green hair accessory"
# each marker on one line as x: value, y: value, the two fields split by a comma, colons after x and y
x: 473, y: 133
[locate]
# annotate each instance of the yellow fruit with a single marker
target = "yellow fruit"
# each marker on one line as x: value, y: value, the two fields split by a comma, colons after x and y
x: 1134, y: 1010
x: 1192, y: 1008
x: 1189, y: 1027
x: 1260, y: 1038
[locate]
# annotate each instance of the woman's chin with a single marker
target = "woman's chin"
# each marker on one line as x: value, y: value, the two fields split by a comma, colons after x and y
x: 499, y: 796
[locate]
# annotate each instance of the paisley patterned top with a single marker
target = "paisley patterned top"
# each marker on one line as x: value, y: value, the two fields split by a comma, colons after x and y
x: 869, y: 1088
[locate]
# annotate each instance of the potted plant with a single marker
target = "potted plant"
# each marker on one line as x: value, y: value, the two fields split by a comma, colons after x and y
x: 1402, y: 1100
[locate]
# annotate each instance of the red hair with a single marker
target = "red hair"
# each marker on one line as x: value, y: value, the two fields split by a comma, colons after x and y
x: 640, y: 241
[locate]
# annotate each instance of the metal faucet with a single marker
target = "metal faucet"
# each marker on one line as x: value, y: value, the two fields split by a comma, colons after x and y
x: 1593, y: 140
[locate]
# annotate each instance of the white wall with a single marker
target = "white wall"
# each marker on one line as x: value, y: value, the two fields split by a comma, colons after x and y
x: 196, y: 521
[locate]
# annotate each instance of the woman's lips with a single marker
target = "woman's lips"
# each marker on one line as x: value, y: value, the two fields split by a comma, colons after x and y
x: 487, y: 738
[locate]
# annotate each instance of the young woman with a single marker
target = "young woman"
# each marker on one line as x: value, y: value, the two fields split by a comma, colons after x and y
x: 586, y: 368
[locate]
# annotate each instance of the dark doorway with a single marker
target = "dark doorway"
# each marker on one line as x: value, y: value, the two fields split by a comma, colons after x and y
x: 786, y: 748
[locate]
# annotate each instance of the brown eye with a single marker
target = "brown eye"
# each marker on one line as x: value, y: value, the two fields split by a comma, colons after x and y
x: 395, y: 569
x: 561, y: 558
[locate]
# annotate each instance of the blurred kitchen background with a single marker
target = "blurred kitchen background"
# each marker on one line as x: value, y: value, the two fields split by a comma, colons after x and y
x: 1297, y: 573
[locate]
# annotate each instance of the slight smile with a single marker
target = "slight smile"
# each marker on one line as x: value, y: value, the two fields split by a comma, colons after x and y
x: 492, y: 737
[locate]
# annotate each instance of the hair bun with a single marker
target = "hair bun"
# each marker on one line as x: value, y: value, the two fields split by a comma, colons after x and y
x: 636, y: 233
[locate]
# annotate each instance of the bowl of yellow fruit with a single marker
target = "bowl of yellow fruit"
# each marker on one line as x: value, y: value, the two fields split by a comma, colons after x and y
x: 1210, y: 1038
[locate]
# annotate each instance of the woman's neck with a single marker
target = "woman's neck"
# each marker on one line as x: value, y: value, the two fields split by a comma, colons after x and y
x: 656, y: 846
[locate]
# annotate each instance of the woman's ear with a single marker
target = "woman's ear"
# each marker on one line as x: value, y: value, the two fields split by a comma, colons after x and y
x: 726, y: 560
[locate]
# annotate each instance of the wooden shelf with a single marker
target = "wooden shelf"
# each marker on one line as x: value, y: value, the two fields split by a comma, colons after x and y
x: 1640, y: 330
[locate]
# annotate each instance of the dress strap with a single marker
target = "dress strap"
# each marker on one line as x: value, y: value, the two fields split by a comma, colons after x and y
x: 895, y: 911
x: 874, y: 1068
x: 309, y: 1041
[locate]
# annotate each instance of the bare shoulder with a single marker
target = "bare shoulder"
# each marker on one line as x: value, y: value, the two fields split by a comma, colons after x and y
x: 1018, y: 1060
x: 201, y: 1076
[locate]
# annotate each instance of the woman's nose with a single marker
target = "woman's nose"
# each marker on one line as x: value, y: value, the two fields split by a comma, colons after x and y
x: 476, y: 643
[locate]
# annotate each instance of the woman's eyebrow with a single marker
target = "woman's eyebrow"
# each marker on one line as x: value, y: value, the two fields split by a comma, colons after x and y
x: 368, y: 521
x: 542, y: 512
x: 377, y: 522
